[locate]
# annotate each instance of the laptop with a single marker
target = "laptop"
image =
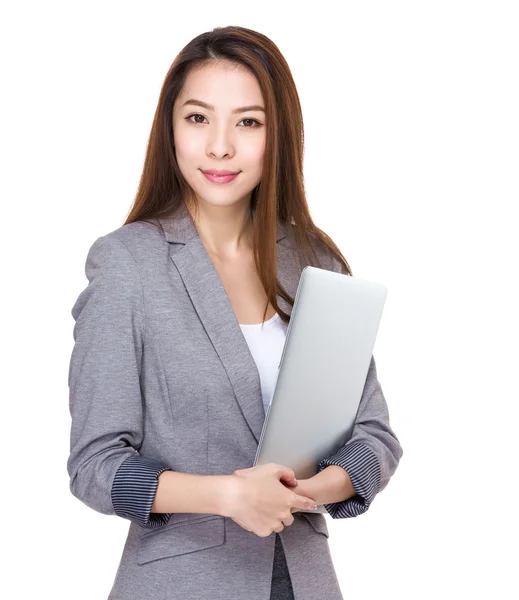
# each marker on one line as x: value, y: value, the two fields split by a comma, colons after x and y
x: 322, y: 371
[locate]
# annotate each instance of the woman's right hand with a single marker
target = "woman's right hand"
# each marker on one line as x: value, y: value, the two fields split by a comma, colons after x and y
x: 260, y: 503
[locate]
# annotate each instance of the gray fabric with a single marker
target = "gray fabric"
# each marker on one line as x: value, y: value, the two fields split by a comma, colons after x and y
x: 161, y: 369
x: 281, y: 583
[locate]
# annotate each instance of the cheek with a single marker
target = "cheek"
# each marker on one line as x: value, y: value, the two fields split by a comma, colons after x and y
x: 253, y: 153
x: 187, y: 147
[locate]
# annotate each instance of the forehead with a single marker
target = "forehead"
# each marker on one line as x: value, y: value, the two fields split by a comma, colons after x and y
x: 223, y: 84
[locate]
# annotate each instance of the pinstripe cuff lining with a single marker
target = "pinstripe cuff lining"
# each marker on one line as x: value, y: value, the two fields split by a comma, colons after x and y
x: 134, y: 488
x: 363, y: 468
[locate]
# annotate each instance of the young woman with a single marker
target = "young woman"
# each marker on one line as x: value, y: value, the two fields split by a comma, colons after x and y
x: 178, y: 335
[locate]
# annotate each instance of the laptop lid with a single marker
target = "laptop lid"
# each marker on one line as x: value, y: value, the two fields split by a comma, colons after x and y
x: 322, y: 371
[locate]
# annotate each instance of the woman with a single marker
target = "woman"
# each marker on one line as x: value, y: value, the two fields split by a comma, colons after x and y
x: 177, y: 340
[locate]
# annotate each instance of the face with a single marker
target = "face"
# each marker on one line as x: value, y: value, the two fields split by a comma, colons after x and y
x: 220, y: 135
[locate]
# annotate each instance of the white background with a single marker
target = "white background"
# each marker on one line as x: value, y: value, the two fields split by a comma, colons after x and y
x: 412, y: 149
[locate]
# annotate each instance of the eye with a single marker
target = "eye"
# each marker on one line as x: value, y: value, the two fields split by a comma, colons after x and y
x: 257, y: 123
x: 195, y: 115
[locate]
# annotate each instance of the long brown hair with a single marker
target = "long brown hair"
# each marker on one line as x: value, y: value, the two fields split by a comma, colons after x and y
x: 281, y: 194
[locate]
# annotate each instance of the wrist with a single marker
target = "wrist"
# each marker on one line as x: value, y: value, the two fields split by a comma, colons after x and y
x: 227, y: 492
x: 332, y: 484
x: 307, y: 488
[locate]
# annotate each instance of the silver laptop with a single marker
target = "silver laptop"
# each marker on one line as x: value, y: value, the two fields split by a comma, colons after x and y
x: 322, y: 371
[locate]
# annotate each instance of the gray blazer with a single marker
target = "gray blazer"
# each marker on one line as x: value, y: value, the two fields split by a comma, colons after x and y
x: 161, y: 377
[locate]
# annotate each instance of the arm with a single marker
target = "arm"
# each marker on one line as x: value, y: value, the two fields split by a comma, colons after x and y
x: 370, y: 457
x: 188, y: 493
x: 347, y: 482
x: 106, y: 471
x: 330, y: 485
x: 372, y: 454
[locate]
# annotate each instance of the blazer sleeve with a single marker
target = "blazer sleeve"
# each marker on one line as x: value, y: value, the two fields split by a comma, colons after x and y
x: 106, y: 470
x: 372, y: 454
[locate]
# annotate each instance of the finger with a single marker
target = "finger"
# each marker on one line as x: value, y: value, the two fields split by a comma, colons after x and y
x: 303, y: 502
x: 289, y: 478
x: 291, y: 483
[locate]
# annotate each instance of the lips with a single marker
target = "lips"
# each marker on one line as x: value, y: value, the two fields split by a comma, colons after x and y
x: 218, y: 178
x: 219, y: 173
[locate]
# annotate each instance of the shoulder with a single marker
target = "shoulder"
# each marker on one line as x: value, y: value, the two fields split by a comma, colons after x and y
x: 129, y: 243
x: 135, y: 236
x: 125, y: 251
x: 327, y: 259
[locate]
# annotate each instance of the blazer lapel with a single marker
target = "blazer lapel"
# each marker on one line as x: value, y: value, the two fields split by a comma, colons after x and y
x: 214, y: 308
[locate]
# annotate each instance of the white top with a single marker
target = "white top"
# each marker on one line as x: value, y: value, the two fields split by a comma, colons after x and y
x: 266, y: 341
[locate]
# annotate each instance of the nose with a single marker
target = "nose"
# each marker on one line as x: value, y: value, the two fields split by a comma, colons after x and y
x: 220, y: 143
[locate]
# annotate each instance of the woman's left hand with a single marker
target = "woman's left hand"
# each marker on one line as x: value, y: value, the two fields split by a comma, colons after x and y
x: 298, y: 486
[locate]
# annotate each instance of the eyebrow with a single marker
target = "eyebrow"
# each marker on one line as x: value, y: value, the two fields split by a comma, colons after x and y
x: 234, y: 112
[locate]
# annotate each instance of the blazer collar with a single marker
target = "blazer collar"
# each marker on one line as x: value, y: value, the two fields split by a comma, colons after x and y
x: 214, y: 308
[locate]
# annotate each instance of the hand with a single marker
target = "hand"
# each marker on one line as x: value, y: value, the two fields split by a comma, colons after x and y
x: 256, y: 502
x: 303, y: 487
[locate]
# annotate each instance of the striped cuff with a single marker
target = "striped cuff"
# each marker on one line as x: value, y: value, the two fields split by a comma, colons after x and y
x: 363, y: 468
x: 133, y: 491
